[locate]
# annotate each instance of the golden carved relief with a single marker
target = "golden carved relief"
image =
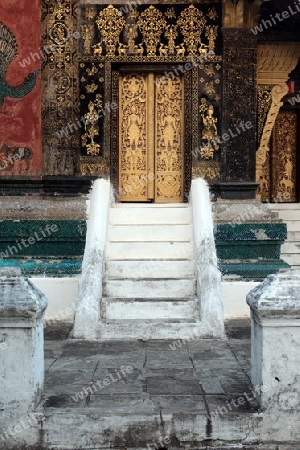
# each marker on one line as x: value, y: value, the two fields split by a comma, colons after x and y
x: 133, y: 171
x: 209, y: 136
x: 191, y: 23
x: 262, y: 154
x: 110, y: 23
x: 91, y: 129
x: 152, y: 24
x: 144, y: 34
x: 87, y: 36
x: 284, y: 153
x: 169, y: 139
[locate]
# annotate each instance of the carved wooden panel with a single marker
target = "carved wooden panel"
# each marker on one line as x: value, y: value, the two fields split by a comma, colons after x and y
x: 133, y: 128
x: 169, y: 140
x: 284, y: 157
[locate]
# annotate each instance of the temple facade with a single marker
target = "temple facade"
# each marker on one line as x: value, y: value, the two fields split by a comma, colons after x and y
x: 151, y: 96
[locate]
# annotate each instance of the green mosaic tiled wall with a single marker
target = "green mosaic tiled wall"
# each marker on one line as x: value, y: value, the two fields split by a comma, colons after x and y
x: 249, y: 251
x: 43, y: 247
x: 245, y: 251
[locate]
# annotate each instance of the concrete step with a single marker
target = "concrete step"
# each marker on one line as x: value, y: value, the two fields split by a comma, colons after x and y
x: 293, y: 259
x: 149, y: 269
x: 293, y: 236
x: 289, y: 214
x: 150, y: 215
x: 149, y: 250
x: 149, y: 233
x: 154, y: 288
x: 283, y: 206
x: 293, y: 225
x: 290, y: 247
x: 117, y: 309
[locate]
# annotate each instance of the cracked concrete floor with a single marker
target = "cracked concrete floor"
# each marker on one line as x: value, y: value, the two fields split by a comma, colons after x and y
x: 156, y: 376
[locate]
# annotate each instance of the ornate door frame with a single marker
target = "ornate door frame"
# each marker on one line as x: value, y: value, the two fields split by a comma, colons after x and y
x: 190, y: 126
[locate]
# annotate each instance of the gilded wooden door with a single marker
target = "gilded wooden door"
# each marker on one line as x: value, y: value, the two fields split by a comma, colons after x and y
x: 150, y: 138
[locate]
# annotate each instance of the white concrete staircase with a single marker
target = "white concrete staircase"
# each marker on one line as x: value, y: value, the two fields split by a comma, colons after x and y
x: 149, y: 269
x: 290, y: 214
x: 141, y: 277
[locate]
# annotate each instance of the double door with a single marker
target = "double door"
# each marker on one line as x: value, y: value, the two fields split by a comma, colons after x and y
x: 151, y: 130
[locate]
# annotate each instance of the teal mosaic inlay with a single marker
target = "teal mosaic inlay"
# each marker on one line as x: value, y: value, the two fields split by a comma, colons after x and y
x: 52, y: 268
x: 43, y: 247
x: 250, y: 251
x: 250, y: 231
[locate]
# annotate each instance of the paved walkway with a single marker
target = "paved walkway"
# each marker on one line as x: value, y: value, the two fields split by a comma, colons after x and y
x: 205, y: 378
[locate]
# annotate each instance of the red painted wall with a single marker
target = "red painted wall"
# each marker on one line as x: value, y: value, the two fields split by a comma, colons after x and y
x: 20, y: 118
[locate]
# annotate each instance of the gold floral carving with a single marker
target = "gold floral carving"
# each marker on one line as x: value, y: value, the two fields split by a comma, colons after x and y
x: 152, y: 24
x: 262, y: 154
x: 110, y: 23
x: 191, y: 23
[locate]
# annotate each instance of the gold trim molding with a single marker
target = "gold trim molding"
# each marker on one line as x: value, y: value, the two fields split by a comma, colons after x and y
x: 262, y: 171
x: 276, y: 61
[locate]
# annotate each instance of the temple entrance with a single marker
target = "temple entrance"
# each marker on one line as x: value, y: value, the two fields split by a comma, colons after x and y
x: 151, y: 118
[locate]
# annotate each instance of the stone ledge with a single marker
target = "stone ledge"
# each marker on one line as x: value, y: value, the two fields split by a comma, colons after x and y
x: 18, y: 296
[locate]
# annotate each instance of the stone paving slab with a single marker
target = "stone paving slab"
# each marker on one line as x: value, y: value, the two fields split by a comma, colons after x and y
x: 134, y: 390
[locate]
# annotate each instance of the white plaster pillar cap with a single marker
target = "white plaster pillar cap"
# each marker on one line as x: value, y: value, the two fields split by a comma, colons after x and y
x: 18, y: 296
x: 278, y: 296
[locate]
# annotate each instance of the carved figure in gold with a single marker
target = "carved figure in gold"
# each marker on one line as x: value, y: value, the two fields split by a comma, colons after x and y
x: 211, y: 34
x: 163, y: 50
x: 122, y: 49
x: 168, y: 126
x: 171, y: 34
x: 209, y: 134
x: 86, y: 31
x: 180, y: 49
x: 98, y: 48
x: 139, y: 49
x: 92, y: 130
x: 210, y: 129
x: 203, y: 48
x: 134, y: 128
x: 131, y: 33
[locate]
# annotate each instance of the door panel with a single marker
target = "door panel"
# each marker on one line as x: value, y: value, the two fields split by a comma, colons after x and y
x: 169, y: 140
x: 150, y: 138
